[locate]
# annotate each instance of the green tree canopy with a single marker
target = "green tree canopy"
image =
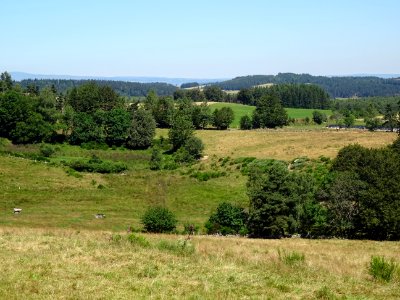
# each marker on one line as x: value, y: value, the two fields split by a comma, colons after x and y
x: 269, y: 113
x: 142, y: 130
x: 223, y: 117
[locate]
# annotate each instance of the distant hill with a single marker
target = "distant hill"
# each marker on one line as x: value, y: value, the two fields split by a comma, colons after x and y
x: 19, y: 76
x: 123, y: 88
x: 337, y: 87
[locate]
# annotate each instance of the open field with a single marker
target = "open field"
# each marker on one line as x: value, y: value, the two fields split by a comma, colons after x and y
x: 287, y: 143
x: 52, y: 197
x: 241, y: 110
x: 72, y: 264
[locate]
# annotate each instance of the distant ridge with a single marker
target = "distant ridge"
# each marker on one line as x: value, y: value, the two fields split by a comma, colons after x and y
x: 336, y: 86
x: 19, y: 76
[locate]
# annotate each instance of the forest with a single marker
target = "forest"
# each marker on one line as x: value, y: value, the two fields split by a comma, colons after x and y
x: 336, y: 87
x: 123, y: 88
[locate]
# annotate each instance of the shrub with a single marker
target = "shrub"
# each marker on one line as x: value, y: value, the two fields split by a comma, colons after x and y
x: 291, y: 258
x: 138, y: 240
x: 245, y: 123
x: 319, y: 117
x: 381, y: 269
x: 156, y: 159
x: 96, y: 165
x: 194, y: 146
x: 46, y: 150
x: 92, y: 145
x: 189, y: 228
x: 206, y: 175
x: 116, y: 238
x: 228, y: 219
x: 324, y: 293
x: 159, y: 219
x: 183, y: 156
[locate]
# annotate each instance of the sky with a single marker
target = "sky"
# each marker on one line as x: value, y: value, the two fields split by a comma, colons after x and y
x: 200, y: 39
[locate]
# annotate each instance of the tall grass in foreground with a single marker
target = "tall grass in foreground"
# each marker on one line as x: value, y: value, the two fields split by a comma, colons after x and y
x: 57, y: 264
x: 291, y: 258
x: 382, y: 269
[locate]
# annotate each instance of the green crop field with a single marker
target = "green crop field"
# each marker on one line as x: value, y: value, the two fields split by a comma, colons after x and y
x: 242, y: 110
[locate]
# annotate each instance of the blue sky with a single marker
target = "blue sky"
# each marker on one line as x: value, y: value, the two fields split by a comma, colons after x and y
x: 201, y: 39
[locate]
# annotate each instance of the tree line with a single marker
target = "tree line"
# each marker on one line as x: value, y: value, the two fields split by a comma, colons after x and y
x: 336, y: 86
x: 93, y: 114
x: 123, y: 88
x: 291, y: 95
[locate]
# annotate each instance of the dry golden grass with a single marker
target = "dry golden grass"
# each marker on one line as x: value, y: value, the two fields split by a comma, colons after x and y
x: 289, y: 143
x: 68, y: 264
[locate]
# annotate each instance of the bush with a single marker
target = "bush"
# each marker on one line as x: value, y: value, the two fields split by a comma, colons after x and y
x: 194, y: 146
x: 245, y: 123
x: 183, y: 156
x: 319, y: 117
x: 206, y: 175
x: 46, y: 150
x: 381, y: 269
x: 189, y: 228
x: 96, y: 165
x: 228, y: 219
x: 92, y: 145
x: 138, y: 240
x: 159, y: 219
x: 156, y: 160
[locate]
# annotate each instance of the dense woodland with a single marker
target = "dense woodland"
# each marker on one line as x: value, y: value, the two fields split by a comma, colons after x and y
x: 291, y: 95
x: 123, y: 88
x: 337, y: 87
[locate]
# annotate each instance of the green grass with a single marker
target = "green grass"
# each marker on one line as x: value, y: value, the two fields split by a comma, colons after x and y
x: 52, y: 196
x: 242, y: 110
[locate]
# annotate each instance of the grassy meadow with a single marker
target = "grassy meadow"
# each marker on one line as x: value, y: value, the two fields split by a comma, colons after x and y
x: 52, y: 196
x: 241, y: 110
x: 79, y: 264
x: 55, y: 248
x: 287, y: 143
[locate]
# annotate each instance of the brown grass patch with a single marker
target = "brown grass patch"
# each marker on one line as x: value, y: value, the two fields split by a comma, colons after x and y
x: 49, y: 264
x: 289, y: 143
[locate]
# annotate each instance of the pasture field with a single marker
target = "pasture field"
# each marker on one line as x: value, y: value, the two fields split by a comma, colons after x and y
x: 79, y: 264
x: 241, y: 110
x: 287, y: 143
x: 52, y: 196
x: 56, y: 249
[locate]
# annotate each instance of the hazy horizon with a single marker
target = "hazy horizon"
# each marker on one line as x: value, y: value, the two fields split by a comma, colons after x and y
x: 178, y: 39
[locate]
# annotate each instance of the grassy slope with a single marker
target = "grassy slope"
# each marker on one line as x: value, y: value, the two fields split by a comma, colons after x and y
x: 51, y: 198
x: 73, y: 263
x: 59, y: 264
x: 242, y: 110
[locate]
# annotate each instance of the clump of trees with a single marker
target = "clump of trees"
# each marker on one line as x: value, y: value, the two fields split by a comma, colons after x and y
x: 227, y: 219
x: 354, y: 196
x: 319, y: 117
x: 269, y: 113
x: 291, y: 95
